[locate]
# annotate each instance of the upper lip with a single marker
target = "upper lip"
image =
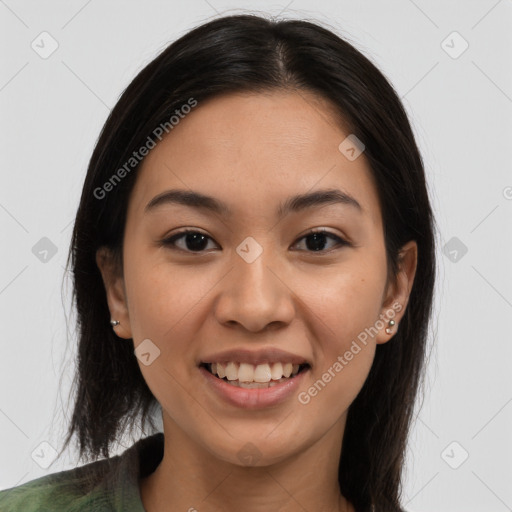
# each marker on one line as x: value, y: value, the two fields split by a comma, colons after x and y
x: 269, y: 355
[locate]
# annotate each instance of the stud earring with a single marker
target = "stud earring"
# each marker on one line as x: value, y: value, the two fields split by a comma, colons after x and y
x: 389, y: 329
x: 113, y: 323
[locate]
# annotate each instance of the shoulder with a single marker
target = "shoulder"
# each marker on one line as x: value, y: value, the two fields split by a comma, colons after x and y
x: 72, y: 490
x: 106, y: 485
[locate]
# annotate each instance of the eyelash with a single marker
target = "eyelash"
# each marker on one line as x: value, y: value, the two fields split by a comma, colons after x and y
x: 170, y: 241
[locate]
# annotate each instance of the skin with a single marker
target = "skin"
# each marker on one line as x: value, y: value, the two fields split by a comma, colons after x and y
x: 253, y: 151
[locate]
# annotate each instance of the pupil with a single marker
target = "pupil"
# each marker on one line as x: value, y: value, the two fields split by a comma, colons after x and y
x: 196, y: 241
x: 318, y: 241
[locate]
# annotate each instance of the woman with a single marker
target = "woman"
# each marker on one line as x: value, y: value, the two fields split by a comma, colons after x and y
x: 253, y: 253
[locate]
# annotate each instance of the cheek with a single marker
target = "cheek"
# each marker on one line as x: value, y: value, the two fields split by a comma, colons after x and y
x: 165, y: 308
x: 333, y: 388
x: 162, y: 299
x: 346, y: 303
x: 344, y: 354
x: 168, y: 307
x: 345, y: 309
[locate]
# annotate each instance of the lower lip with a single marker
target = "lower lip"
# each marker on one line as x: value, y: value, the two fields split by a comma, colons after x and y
x: 253, y: 398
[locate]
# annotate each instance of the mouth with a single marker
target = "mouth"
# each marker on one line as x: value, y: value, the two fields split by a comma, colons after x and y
x: 250, y: 376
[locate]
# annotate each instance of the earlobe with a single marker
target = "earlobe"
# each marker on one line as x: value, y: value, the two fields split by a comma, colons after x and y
x: 113, y: 281
x: 396, y: 302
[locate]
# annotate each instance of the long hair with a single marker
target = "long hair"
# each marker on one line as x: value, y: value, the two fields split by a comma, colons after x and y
x: 248, y: 53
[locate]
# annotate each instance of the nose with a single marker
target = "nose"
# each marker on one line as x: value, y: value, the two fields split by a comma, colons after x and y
x: 255, y: 296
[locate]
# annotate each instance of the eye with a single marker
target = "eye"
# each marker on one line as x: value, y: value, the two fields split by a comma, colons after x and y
x: 194, y: 241
x: 317, y: 240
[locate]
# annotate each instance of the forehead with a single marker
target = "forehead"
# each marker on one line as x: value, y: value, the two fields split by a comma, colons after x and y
x: 255, y: 150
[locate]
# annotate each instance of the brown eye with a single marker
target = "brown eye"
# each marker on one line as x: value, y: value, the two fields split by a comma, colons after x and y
x: 197, y: 242
x: 317, y: 240
x: 194, y: 241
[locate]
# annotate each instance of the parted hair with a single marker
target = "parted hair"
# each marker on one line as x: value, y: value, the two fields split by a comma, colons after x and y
x: 250, y: 53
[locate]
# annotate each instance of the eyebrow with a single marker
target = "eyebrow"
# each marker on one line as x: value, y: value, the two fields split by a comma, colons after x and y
x: 293, y: 204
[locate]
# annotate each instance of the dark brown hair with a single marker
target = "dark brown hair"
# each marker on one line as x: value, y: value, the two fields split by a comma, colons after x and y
x: 247, y: 53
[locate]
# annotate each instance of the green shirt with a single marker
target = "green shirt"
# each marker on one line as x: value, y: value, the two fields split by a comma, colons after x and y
x: 108, y: 485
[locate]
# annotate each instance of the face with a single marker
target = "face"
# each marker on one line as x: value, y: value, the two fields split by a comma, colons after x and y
x: 253, y: 277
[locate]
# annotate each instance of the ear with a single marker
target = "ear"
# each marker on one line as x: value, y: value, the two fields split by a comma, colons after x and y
x: 397, y: 296
x: 113, y: 280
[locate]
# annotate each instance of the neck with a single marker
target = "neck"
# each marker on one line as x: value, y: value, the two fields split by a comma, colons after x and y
x: 190, y: 478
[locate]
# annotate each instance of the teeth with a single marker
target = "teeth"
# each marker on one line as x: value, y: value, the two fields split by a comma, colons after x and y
x: 276, y: 371
x: 231, y: 371
x: 245, y: 372
x: 249, y: 373
x: 262, y: 373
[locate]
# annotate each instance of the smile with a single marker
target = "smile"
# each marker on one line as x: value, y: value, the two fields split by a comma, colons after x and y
x: 251, y: 376
x: 251, y: 386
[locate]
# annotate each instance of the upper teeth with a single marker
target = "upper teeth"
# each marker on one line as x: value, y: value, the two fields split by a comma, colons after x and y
x: 244, y: 372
